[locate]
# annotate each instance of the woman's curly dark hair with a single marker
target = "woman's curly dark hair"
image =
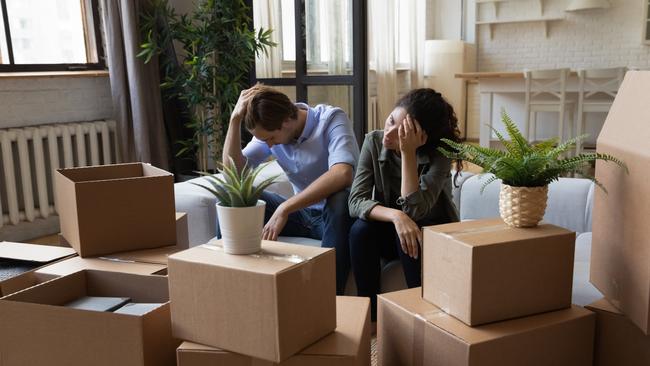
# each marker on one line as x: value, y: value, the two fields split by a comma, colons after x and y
x: 436, y: 117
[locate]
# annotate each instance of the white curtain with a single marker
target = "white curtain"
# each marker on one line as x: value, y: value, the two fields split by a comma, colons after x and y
x: 338, y: 26
x: 267, y: 14
x: 384, y: 42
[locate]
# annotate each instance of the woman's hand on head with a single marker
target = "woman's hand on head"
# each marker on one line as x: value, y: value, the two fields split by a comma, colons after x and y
x: 411, y: 135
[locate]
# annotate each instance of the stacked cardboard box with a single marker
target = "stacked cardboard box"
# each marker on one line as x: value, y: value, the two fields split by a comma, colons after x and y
x: 621, y: 236
x: 278, y: 301
x: 120, y: 219
x: 348, y: 345
x: 491, y: 295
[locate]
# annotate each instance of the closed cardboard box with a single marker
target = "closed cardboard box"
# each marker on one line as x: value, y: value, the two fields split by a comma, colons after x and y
x: 35, y: 329
x: 268, y: 305
x: 485, y: 271
x: 182, y: 231
x: 19, y: 261
x: 348, y: 345
x: 620, y: 248
x: 412, y: 331
x: 116, y: 208
x: 618, y: 341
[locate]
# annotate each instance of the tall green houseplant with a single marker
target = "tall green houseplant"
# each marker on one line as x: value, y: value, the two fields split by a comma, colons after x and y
x: 218, y: 49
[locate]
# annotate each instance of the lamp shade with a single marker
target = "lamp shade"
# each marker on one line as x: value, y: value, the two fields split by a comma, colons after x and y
x: 576, y: 5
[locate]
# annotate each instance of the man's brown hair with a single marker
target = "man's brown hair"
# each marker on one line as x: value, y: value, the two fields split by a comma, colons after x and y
x: 268, y: 108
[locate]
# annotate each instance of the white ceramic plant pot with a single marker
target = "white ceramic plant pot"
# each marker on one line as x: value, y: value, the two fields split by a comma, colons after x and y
x: 522, y: 206
x: 241, y: 228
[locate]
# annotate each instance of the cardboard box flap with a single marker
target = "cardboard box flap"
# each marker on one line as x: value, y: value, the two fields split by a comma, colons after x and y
x: 63, y: 290
x: 106, y: 172
x: 272, y: 259
x: 153, y: 256
x: 33, y: 252
x: 487, y: 232
x: 626, y: 126
x: 604, y: 305
x: 75, y: 264
x: 351, y: 314
x: 411, y: 301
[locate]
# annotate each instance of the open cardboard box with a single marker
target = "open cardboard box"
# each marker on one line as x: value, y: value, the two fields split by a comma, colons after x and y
x: 348, y: 345
x: 268, y: 305
x: 32, y: 256
x: 620, y: 248
x: 116, y: 208
x: 412, y: 331
x: 484, y: 271
x: 35, y: 329
x: 618, y: 340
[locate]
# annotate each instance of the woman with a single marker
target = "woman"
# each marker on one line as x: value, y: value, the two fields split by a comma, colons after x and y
x: 402, y: 183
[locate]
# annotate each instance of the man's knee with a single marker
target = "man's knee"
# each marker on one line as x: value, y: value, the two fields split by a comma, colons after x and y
x: 337, y: 203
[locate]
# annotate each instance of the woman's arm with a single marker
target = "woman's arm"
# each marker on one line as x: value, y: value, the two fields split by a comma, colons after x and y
x: 360, y: 202
x: 410, y: 235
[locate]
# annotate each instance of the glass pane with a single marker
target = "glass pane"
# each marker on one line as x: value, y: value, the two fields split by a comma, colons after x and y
x: 336, y: 95
x: 47, y: 32
x: 403, y: 22
x: 278, y: 15
x: 290, y: 91
x: 328, y: 26
x: 4, y: 52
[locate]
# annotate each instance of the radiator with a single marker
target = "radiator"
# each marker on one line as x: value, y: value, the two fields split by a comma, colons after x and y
x: 29, y: 157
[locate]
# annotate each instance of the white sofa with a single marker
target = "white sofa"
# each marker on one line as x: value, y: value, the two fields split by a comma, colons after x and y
x: 570, y: 203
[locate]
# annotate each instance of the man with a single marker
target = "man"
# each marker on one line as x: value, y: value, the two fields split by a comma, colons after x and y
x: 317, y: 149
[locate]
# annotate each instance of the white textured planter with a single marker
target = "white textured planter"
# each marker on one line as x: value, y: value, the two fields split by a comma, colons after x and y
x: 241, y: 228
x: 522, y: 206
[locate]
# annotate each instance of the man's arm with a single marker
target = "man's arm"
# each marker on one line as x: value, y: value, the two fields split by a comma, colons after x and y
x: 232, y: 143
x: 337, y: 178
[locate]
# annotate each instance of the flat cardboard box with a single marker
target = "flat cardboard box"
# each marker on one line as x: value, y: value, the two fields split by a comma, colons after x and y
x: 348, y: 345
x: 35, y: 329
x: 268, y: 305
x: 38, y: 255
x: 619, y: 342
x: 412, y: 331
x: 620, y: 248
x: 116, y: 208
x: 485, y: 271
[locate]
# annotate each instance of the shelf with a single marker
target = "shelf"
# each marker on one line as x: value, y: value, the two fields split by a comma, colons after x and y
x: 495, y: 6
x: 544, y: 20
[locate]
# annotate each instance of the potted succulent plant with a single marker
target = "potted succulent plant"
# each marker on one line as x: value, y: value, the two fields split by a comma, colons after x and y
x: 525, y: 170
x: 240, y: 211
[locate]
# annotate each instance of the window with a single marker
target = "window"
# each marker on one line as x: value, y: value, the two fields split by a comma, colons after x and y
x: 321, y: 52
x: 52, y: 35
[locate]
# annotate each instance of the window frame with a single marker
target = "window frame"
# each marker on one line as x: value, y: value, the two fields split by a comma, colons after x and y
x: 96, y: 41
x: 301, y: 80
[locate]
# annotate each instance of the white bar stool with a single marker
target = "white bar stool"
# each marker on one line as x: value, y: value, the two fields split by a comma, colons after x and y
x: 596, y: 92
x: 552, y: 85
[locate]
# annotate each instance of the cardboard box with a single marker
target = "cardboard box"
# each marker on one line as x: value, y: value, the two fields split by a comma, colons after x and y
x: 620, y: 248
x: 412, y: 331
x: 36, y: 330
x: 619, y: 342
x: 116, y: 208
x: 348, y: 345
x: 182, y: 231
x: 268, y: 305
x: 27, y: 256
x: 485, y: 271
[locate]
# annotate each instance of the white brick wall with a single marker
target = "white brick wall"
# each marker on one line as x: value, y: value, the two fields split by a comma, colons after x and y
x: 592, y: 38
x: 37, y: 101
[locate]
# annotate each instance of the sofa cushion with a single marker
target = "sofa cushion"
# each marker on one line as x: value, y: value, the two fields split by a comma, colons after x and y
x: 569, y: 203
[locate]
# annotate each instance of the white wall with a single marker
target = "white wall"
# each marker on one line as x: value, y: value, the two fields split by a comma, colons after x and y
x: 591, y: 38
x: 444, y: 19
x: 44, y: 100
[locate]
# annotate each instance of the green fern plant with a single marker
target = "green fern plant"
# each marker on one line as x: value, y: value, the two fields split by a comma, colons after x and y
x: 522, y: 164
x: 234, y: 188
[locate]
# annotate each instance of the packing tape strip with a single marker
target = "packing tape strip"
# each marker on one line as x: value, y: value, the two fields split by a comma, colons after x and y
x: 477, y: 230
x: 291, y: 258
x: 116, y: 260
x: 419, y: 327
